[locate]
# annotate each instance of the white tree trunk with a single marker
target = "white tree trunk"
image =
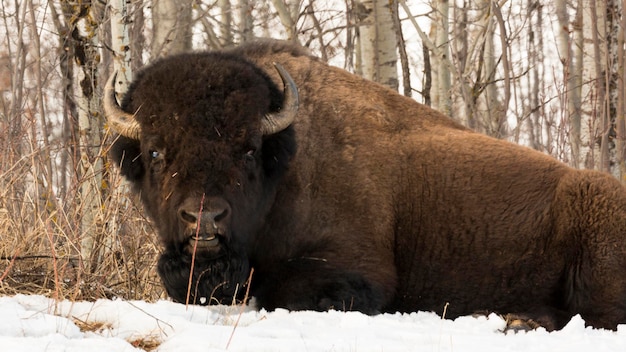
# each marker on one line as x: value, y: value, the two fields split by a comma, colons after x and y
x: 535, y: 81
x: 621, y: 100
x: 171, y: 26
x: 574, y: 88
x: 599, y: 96
x: 378, y: 42
x: 246, y: 20
x: 226, y: 22
x: 568, y: 50
x: 443, y: 85
x: 120, y: 43
x: 90, y: 166
x: 285, y: 14
x: 435, y: 61
x: 489, y: 102
x: 590, y: 122
x: 614, y: 9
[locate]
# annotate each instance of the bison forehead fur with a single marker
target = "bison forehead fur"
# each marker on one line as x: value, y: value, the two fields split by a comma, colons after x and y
x: 367, y: 201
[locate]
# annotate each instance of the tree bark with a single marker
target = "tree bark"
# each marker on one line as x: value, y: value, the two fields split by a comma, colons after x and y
x: 84, y: 22
x: 490, y: 106
x: 534, y: 82
x: 444, y: 83
x: 246, y: 20
x: 378, y: 43
x: 171, y: 27
x: 400, y: 43
x: 574, y: 88
x: 136, y: 17
x: 598, y: 69
x: 120, y: 43
x: 286, y: 18
x: 612, y: 22
x: 226, y: 23
x: 621, y: 99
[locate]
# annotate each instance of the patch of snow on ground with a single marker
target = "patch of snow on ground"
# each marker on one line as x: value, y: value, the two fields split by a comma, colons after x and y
x: 37, y: 323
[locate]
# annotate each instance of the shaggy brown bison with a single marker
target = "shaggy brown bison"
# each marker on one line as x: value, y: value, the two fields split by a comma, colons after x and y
x: 342, y: 194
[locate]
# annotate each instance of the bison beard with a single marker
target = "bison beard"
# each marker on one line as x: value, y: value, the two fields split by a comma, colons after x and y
x: 214, y: 281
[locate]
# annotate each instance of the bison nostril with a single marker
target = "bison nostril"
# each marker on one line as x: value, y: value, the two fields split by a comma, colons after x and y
x: 188, y: 217
x: 217, y: 211
x: 221, y: 216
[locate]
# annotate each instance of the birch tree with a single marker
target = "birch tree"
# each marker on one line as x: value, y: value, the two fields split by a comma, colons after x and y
x: 246, y: 23
x: 226, y: 22
x: 621, y: 99
x: 534, y: 110
x: 378, y: 42
x: 400, y: 43
x: 120, y: 44
x: 489, y: 120
x: 590, y: 148
x: 171, y: 27
x: 288, y: 16
x: 442, y: 83
x: 570, y: 52
x: 84, y: 21
x: 614, y: 11
x: 601, y: 30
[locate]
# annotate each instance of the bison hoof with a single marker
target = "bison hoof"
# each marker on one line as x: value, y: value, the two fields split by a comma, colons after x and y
x: 520, y: 323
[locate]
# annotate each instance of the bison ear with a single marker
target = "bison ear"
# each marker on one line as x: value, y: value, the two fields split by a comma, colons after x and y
x: 126, y: 154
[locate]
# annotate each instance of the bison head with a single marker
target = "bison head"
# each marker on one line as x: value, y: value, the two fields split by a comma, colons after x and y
x: 204, y: 139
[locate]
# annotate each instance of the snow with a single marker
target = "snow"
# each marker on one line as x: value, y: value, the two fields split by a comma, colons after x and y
x: 37, y: 323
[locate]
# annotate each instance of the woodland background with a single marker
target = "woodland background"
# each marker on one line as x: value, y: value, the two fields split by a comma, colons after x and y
x: 546, y: 74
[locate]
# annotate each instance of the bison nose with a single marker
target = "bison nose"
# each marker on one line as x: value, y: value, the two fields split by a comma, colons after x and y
x: 215, y: 213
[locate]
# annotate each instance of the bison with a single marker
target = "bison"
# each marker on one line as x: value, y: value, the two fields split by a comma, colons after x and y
x: 339, y: 193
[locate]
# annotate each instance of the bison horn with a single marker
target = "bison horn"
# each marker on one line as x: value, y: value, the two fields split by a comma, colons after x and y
x: 119, y: 120
x: 276, y: 122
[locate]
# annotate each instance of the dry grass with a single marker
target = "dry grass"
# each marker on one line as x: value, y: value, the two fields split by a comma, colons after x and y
x: 40, y: 241
x: 92, y: 326
x: 149, y: 343
x: 146, y: 343
x: 41, y: 238
x: 47, y: 156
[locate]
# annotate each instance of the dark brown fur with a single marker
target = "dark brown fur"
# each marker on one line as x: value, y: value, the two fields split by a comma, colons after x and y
x: 369, y: 201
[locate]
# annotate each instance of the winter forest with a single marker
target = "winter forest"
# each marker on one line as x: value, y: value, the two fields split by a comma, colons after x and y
x: 545, y: 74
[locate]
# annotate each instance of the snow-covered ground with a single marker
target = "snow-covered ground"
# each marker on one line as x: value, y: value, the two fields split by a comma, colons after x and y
x: 36, y: 323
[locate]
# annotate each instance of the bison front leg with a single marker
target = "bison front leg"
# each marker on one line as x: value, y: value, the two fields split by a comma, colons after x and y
x: 313, y: 284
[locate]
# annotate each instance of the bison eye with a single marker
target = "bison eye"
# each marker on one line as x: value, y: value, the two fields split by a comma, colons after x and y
x: 157, y: 160
x: 249, y: 156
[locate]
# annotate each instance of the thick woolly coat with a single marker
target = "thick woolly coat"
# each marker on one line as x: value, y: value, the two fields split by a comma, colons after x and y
x: 369, y: 201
